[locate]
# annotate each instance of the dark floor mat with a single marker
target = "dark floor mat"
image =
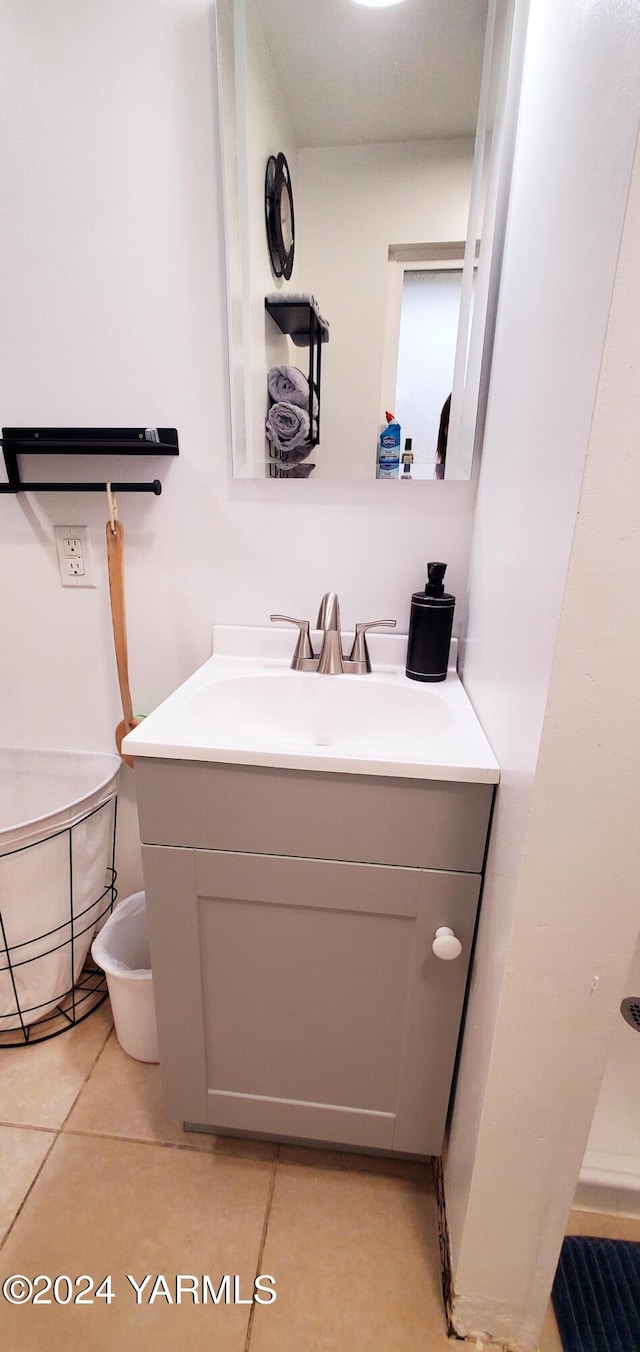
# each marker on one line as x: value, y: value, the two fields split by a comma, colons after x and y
x: 596, y: 1295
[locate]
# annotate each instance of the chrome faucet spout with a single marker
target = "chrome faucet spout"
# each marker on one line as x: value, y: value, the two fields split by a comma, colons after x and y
x: 329, y: 612
x: 331, y: 661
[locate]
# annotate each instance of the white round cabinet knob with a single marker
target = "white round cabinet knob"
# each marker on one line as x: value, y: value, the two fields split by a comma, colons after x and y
x: 445, y: 944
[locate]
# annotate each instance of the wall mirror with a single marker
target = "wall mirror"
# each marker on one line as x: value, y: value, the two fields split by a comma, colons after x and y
x: 388, y: 123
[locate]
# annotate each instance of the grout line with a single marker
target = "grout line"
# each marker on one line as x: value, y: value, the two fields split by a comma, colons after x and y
x: 263, y: 1240
x: 86, y: 1078
x: 339, y: 1167
x: 167, y: 1145
x: 27, y: 1194
x: 30, y: 1126
x: 55, y: 1132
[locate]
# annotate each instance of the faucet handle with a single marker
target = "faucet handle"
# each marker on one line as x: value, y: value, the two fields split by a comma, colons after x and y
x: 303, y: 650
x: 360, y: 652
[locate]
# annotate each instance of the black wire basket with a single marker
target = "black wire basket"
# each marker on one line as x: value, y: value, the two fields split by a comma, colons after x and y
x: 75, y: 986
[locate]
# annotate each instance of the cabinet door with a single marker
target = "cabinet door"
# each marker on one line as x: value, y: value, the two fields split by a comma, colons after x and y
x: 324, y: 1014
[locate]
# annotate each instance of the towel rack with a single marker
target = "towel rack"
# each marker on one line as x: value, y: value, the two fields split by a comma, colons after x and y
x: 18, y: 441
x: 301, y: 321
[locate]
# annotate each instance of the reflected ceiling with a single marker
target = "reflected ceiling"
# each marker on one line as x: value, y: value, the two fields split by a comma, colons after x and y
x: 355, y: 75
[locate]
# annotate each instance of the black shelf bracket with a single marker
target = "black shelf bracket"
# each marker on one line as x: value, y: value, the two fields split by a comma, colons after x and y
x: 19, y: 441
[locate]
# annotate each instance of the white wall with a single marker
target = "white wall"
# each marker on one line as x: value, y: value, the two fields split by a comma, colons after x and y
x: 559, y: 911
x: 113, y: 314
x: 352, y: 203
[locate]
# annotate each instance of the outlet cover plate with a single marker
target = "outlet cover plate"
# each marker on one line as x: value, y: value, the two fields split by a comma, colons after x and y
x: 75, y: 557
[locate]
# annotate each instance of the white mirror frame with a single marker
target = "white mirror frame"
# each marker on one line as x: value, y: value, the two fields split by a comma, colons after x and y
x: 497, y: 117
x: 487, y: 218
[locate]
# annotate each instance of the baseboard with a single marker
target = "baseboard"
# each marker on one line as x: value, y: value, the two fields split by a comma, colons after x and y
x: 609, y: 1183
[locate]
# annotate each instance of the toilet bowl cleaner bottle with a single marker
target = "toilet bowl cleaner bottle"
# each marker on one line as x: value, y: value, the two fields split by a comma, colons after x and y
x: 388, y: 457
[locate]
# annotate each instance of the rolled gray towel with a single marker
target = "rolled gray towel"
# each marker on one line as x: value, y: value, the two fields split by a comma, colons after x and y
x: 290, y: 385
x: 287, y: 425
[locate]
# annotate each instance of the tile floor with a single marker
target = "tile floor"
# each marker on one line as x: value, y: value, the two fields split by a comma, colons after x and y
x: 96, y: 1181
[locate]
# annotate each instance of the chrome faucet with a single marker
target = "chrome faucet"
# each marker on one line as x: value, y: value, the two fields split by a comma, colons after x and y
x: 332, y: 661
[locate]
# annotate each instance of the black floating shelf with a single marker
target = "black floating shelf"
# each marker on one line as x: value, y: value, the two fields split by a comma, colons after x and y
x: 299, y: 319
x: 83, y: 441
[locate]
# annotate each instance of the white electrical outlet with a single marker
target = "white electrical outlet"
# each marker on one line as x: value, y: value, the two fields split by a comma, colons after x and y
x: 75, y: 560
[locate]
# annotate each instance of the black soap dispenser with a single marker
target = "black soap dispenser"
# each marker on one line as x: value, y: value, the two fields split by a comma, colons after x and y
x: 430, y: 628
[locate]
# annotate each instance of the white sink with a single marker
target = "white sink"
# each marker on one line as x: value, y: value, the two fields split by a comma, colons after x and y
x: 246, y: 705
x: 299, y: 709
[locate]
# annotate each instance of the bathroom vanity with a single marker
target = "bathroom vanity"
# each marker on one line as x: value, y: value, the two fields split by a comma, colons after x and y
x: 299, y: 858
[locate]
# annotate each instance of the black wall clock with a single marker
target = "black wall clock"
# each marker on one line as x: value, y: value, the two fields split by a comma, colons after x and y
x: 278, y: 207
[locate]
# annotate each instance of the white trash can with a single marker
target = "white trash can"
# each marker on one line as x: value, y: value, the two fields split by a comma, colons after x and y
x: 122, y: 950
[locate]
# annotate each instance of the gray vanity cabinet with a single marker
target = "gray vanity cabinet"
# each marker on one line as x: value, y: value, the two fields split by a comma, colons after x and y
x: 297, y: 995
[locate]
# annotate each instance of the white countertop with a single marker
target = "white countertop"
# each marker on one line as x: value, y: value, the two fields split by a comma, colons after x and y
x: 246, y: 706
